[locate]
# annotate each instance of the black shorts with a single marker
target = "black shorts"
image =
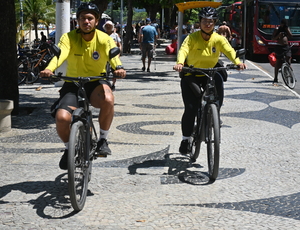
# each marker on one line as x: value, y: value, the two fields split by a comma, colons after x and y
x: 283, y: 50
x: 69, y: 95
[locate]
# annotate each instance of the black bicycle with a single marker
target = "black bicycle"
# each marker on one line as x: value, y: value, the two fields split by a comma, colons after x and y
x: 207, y: 125
x: 287, y: 73
x: 27, y: 72
x: 31, y: 62
x: 82, y: 141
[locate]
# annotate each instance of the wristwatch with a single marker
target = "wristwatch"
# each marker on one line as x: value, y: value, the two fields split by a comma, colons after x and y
x: 119, y: 67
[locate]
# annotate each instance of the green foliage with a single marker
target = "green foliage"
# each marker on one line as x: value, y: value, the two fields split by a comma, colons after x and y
x: 139, y: 16
x: 35, y: 12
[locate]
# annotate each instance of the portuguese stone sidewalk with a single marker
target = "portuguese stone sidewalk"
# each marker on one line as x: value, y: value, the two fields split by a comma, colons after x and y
x: 146, y: 183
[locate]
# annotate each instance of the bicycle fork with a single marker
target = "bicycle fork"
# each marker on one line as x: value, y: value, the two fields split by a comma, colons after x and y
x: 79, y: 115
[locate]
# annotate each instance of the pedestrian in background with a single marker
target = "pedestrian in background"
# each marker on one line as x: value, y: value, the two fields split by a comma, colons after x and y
x: 43, y: 37
x: 173, y: 33
x: 224, y: 30
x: 196, y: 27
x: 148, y: 39
x: 109, y: 28
x: 281, y: 34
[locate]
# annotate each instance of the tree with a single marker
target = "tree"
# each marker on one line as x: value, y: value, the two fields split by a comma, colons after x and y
x: 8, y: 58
x: 34, y: 10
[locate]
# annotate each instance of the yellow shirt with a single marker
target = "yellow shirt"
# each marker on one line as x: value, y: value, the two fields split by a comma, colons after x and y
x: 205, y: 54
x: 84, y: 58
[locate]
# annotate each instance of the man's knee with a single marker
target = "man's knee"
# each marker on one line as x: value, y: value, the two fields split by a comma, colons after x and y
x: 64, y: 115
x: 105, y: 100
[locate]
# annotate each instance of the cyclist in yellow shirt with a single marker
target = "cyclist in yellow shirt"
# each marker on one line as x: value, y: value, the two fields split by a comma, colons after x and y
x: 202, y: 50
x: 86, y: 51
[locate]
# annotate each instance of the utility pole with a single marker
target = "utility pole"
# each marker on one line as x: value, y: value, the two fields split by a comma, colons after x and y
x: 63, y: 14
x: 22, y: 23
x: 121, y: 21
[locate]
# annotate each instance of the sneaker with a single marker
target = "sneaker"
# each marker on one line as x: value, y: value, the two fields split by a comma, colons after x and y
x: 102, y: 149
x: 63, y: 164
x: 184, y: 147
x: 143, y: 69
x: 148, y: 70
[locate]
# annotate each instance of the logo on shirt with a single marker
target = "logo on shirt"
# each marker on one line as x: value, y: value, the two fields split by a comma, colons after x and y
x: 213, y: 49
x: 96, y: 55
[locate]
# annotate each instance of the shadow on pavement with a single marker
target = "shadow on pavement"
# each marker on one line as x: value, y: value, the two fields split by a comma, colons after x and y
x: 53, y: 203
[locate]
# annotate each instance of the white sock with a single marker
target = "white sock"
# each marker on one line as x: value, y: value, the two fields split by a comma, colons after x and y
x: 103, y: 134
x: 185, y: 138
x: 67, y: 145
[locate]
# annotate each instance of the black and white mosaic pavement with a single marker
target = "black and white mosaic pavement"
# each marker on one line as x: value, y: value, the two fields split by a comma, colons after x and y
x: 146, y: 183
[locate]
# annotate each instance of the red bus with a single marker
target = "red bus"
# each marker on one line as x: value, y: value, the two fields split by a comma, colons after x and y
x: 262, y: 17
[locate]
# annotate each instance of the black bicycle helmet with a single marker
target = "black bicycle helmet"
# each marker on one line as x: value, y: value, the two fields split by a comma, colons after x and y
x: 209, y: 13
x: 89, y: 7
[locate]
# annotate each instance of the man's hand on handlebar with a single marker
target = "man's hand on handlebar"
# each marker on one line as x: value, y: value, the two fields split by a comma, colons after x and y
x: 46, y: 73
x: 242, y: 66
x: 120, y: 73
x: 178, y: 67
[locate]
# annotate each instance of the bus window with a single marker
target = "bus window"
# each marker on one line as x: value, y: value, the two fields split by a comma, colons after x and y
x: 270, y: 16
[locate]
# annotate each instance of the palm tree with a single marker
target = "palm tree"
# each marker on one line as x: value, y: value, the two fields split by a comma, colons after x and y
x: 34, y: 10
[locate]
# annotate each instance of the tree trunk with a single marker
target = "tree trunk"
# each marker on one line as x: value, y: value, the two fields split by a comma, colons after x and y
x: 102, y: 5
x: 129, y: 32
x: 8, y: 58
x: 152, y: 11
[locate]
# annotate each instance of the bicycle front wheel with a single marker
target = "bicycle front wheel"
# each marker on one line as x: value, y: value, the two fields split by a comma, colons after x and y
x: 288, y: 76
x: 78, y: 171
x: 213, y: 141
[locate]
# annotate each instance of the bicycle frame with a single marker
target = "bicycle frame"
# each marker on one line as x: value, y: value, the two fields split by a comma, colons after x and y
x: 83, y: 138
x: 84, y: 114
x: 208, y: 96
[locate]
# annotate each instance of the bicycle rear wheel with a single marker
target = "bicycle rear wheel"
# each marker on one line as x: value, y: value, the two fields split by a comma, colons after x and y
x: 213, y: 141
x: 78, y: 172
x: 288, y: 76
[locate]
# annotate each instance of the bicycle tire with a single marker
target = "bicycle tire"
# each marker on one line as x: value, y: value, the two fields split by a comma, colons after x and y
x: 288, y: 76
x: 213, y: 141
x: 78, y: 173
x: 22, y: 72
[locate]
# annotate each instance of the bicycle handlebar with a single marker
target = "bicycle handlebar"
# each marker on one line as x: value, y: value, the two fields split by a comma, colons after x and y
x: 191, y: 69
x: 82, y: 79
